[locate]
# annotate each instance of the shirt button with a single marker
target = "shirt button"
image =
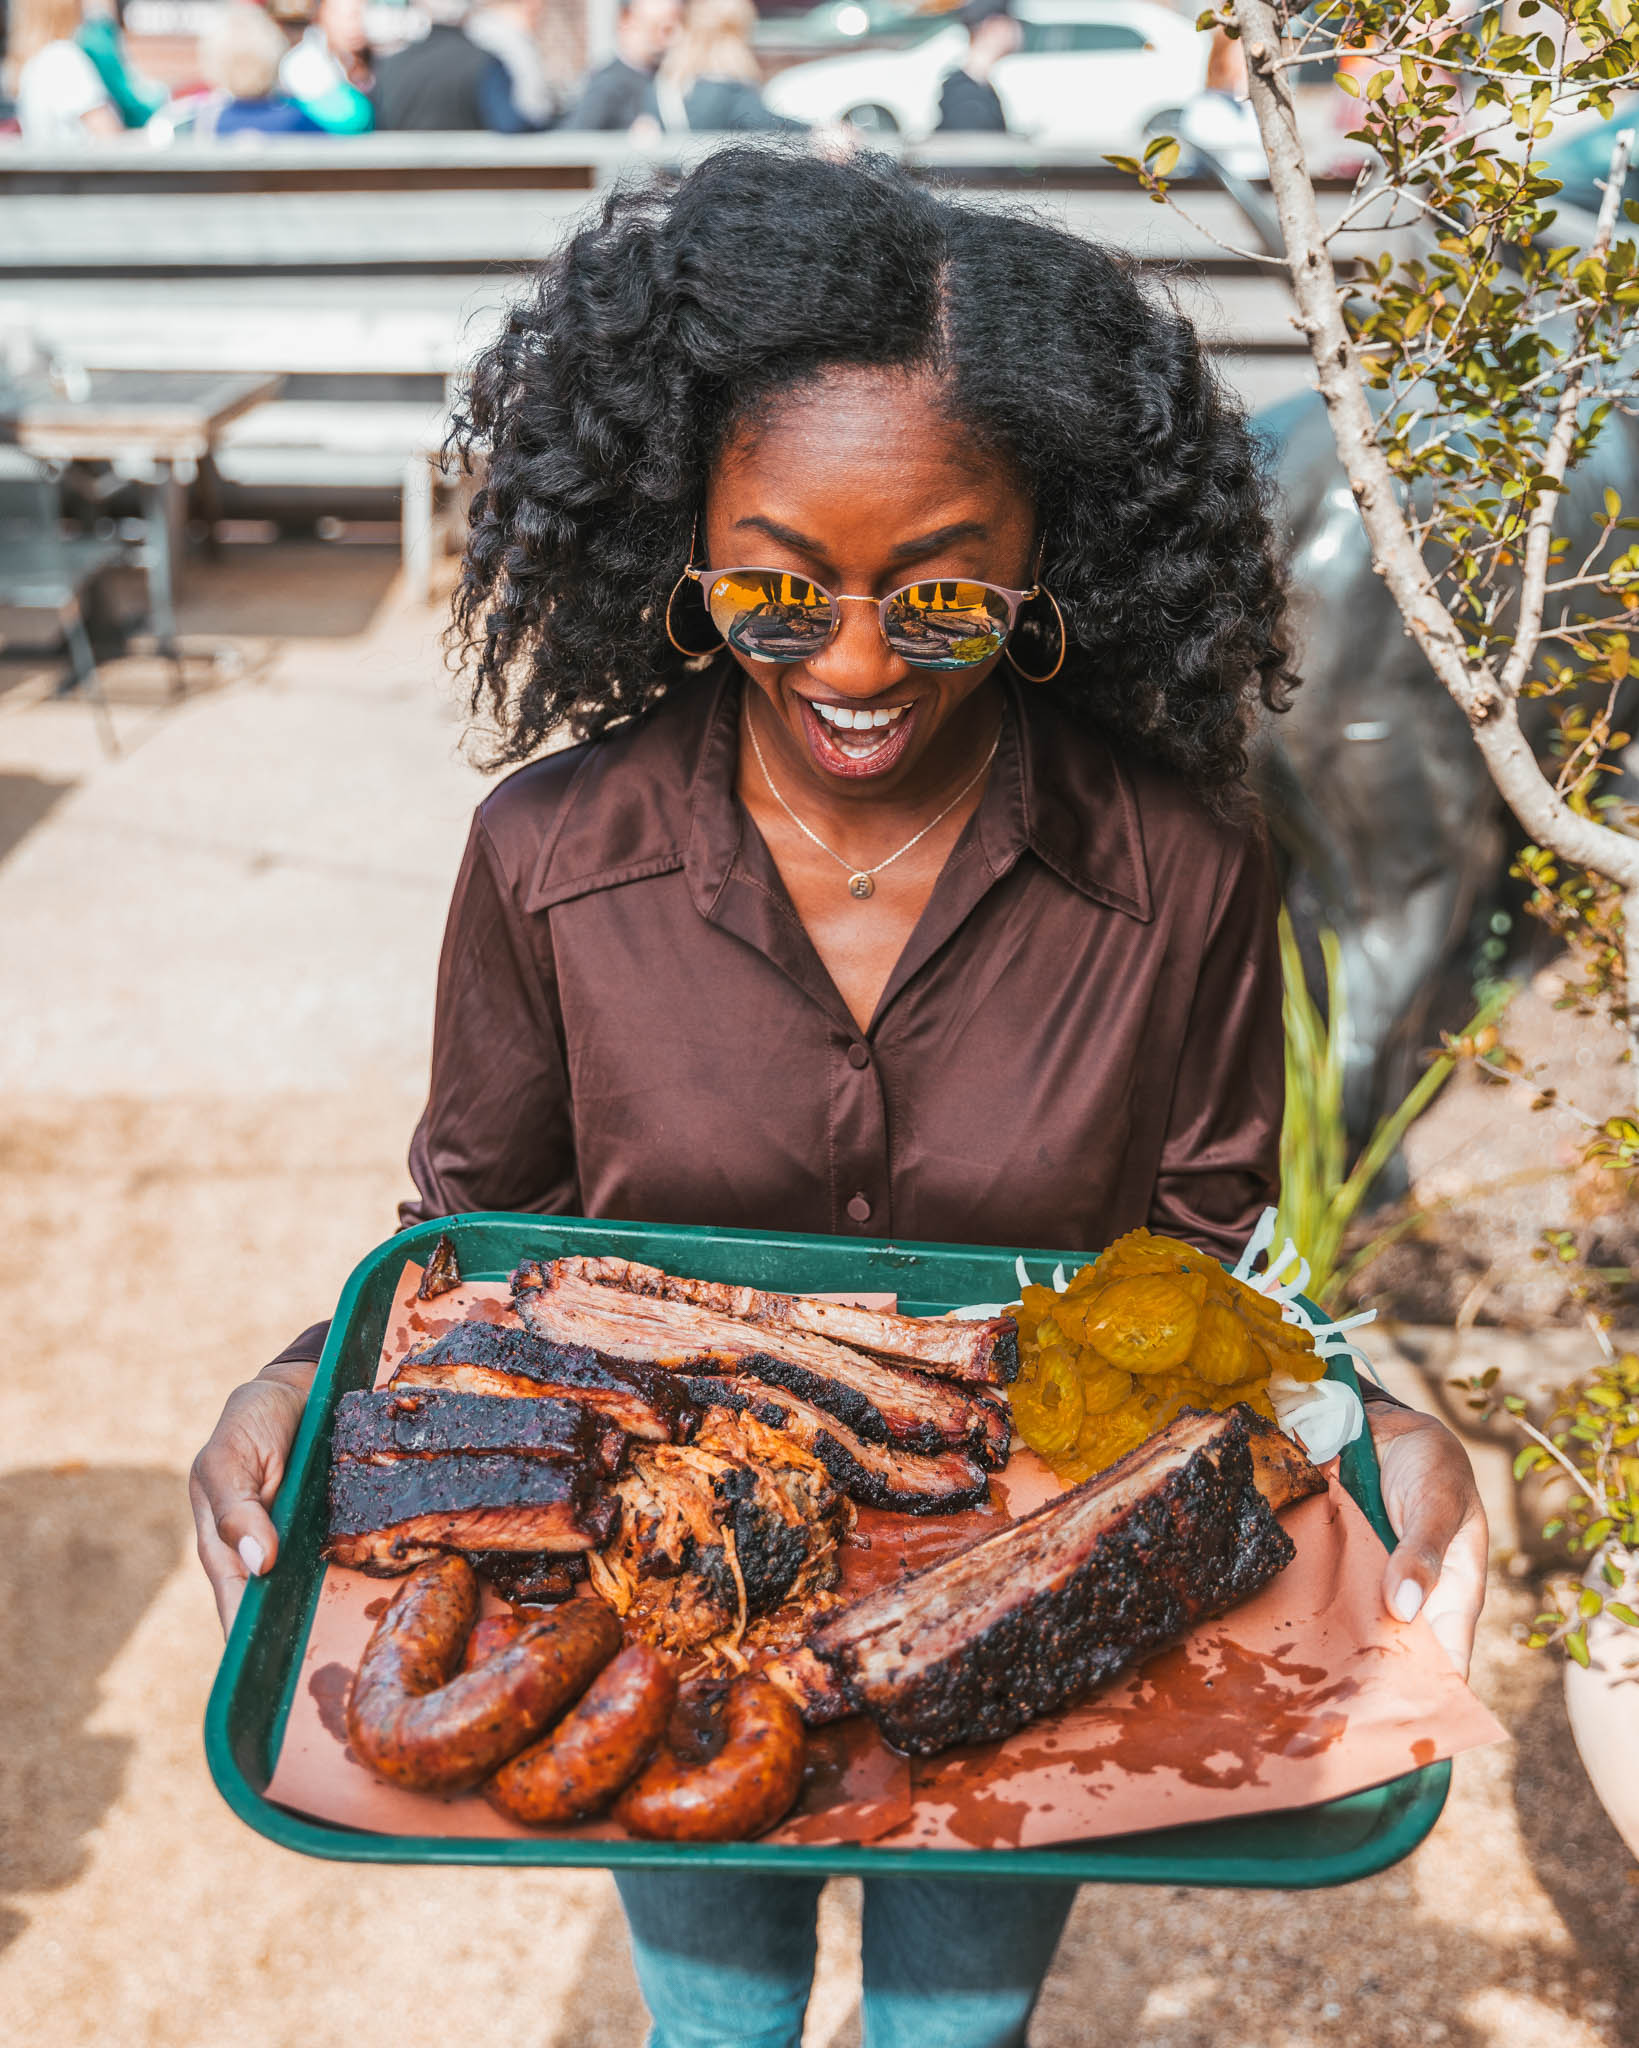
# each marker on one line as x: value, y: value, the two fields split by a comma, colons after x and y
x: 859, y: 1055
x: 859, y: 1208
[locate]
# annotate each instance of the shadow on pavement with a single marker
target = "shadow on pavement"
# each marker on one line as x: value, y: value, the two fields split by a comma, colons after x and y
x: 83, y: 1553
x: 25, y: 802
x: 306, y: 590
x: 1578, y: 1858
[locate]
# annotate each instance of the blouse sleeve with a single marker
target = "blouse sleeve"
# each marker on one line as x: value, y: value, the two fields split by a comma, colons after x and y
x: 1220, y: 1160
x: 497, y: 1131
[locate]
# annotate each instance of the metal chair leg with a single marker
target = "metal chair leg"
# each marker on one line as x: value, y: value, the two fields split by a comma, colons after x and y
x: 86, y: 675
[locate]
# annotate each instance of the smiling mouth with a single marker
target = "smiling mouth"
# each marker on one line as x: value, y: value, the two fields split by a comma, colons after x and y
x: 857, y: 739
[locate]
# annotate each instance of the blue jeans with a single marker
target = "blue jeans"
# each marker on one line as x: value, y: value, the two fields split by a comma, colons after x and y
x: 726, y: 1960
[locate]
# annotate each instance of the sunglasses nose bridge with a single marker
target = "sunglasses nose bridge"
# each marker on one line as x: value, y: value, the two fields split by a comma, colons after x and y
x: 856, y: 660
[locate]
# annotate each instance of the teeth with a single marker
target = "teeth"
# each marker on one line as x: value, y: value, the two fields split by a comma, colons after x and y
x: 847, y: 719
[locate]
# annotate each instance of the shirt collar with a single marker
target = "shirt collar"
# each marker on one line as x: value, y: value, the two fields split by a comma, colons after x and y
x: 663, y: 799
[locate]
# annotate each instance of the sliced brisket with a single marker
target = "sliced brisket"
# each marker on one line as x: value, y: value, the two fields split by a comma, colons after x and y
x: 387, y: 1517
x: 881, y: 1403
x: 985, y: 1352
x: 879, y: 1475
x: 489, y: 1358
x: 406, y: 1422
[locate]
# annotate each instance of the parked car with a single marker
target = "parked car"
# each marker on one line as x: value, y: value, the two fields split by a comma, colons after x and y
x: 1089, y: 74
x: 847, y: 25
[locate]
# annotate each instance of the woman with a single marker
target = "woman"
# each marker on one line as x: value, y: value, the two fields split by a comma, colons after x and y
x: 710, y: 79
x: 61, y: 99
x: 928, y: 904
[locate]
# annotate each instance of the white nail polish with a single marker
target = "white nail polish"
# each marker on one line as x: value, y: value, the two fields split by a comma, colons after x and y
x: 254, y: 1555
x: 1408, y: 1599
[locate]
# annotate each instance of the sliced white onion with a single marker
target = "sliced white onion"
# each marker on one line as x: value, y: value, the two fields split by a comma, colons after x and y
x: 1323, y: 1415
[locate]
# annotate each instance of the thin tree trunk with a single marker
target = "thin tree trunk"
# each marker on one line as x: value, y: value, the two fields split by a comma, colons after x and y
x: 1491, y: 709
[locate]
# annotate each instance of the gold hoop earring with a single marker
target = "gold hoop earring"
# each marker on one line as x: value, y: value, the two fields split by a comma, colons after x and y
x: 689, y: 653
x: 1064, y: 645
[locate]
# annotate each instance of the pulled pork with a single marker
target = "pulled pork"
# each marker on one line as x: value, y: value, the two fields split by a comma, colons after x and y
x: 724, y: 1545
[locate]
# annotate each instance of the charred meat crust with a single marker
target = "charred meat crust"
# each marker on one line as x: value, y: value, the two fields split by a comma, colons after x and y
x: 386, y: 1516
x: 986, y: 1352
x: 1060, y: 1603
x: 880, y: 1476
x: 391, y: 1423
x: 443, y: 1271
x: 887, y: 1414
x: 646, y: 1401
x: 528, y: 1579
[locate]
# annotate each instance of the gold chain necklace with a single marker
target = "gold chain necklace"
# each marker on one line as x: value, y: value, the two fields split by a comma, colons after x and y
x: 861, y: 881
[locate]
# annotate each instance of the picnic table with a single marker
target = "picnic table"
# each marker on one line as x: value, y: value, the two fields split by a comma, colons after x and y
x: 155, y: 428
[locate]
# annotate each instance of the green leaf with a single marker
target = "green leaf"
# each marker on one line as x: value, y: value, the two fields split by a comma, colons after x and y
x: 1346, y: 81
x: 1590, y: 1603
x: 1576, y: 1645
x: 1529, y: 1459
x: 1623, y: 1613
x: 1165, y: 159
x: 1613, y: 505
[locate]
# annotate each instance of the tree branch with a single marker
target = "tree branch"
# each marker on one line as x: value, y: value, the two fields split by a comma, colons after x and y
x: 1491, y: 711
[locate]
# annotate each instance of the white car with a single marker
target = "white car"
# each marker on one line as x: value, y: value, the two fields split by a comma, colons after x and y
x: 1090, y: 74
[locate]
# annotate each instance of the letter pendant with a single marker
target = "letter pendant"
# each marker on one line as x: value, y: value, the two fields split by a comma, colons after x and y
x: 861, y: 885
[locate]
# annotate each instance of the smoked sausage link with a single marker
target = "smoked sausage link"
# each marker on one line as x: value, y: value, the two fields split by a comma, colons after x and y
x: 750, y: 1783
x: 421, y: 1726
x: 598, y: 1746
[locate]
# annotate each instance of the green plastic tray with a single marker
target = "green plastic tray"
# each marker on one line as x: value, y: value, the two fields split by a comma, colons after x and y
x: 1327, y: 1844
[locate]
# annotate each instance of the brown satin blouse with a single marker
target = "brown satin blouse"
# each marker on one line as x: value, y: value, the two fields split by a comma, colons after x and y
x: 1083, y: 1033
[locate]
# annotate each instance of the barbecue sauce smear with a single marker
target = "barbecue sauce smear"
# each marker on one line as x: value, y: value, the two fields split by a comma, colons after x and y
x: 1211, y: 1714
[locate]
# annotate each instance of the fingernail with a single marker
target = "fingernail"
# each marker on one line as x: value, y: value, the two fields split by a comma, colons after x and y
x: 255, y: 1556
x: 1408, y: 1599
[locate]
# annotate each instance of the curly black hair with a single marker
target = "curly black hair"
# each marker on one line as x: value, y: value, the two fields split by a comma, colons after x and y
x: 597, y: 414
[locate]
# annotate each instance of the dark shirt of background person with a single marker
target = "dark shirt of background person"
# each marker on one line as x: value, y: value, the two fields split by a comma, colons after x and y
x: 968, y: 102
x: 711, y: 80
x: 446, y: 81
x: 622, y: 91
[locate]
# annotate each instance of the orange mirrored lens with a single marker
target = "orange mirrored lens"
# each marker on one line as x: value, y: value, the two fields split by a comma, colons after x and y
x: 768, y: 616
x: 947, y: 624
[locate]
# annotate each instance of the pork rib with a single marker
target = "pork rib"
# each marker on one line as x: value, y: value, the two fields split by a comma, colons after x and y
x: 386, y: 1518
x: 489, y: 1358
x: 879, y: 1475
x: 881, y: 1403
x: 1024, y: 1621
x: 984, y: 1352
x: 403, y: 1422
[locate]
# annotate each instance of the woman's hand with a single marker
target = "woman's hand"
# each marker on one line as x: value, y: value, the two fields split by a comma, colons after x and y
x: 1438, y: 1567
x: 234, y: 1478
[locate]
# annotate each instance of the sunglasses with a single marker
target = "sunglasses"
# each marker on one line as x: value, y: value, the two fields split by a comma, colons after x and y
x: 772, y: 615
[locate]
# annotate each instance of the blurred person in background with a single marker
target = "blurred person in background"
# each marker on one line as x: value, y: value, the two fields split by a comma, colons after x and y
x: 511, y: 30
x: 134, y: 98
x: 60, y: 94
x: 240, y: 55
x: 710, y: 78
x: 967, y: 100
x: 328, y: 71
x: 446, y: 81
x: 622, y: 92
